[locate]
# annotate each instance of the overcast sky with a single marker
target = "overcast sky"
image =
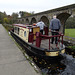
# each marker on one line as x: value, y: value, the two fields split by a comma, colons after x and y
x: 10, y: 6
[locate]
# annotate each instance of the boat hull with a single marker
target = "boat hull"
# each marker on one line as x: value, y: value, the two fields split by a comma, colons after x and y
x: 34, y: 51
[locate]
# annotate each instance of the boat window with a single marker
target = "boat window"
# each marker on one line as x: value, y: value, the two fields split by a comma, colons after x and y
x: 25, y: 33
x: 18, y: 31
x: 15, y: 29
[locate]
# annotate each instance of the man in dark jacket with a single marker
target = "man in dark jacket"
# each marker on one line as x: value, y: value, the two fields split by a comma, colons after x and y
x: 54, y: 26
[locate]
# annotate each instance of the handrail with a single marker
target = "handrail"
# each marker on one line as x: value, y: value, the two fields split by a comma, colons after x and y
x: 49, y: 37
x: 40, y: 37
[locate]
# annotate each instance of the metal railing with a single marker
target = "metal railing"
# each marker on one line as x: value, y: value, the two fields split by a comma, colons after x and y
x: 40, y: 37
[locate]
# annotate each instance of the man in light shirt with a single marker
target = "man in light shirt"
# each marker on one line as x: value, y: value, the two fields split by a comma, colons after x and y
x: 41, y: 25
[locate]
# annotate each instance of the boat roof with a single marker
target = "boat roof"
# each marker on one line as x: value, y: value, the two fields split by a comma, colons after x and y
x: 25, y: 25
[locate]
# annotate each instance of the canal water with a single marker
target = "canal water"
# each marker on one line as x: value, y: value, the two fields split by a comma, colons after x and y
x: 65, y: 66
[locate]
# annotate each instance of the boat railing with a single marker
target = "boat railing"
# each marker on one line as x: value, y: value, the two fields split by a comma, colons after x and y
x: 40, y: 37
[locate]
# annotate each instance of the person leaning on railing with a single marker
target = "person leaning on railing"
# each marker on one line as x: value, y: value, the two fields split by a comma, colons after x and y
x: 54, y: 26
x: 41, y: 25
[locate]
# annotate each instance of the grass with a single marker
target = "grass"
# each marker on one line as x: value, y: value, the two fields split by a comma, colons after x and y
x: 70, y: 32
x: 72, y: 47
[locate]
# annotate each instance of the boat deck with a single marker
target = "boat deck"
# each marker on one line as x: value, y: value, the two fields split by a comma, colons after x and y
x: 45, y: 45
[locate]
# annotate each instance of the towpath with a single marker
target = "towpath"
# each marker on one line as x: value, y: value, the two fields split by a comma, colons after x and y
x: 12, y: 61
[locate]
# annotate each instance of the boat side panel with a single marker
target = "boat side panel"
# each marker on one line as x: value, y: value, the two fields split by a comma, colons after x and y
x: 37, y: 29
x: 22, y: 33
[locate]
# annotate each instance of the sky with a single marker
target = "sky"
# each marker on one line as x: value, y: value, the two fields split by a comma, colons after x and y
x: 10, y: 6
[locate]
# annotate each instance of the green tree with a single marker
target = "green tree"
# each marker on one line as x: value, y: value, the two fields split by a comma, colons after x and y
x: 14, y: 17
x: 70, y: 23
x: 24, y: 13
x: 6, y: 20
x: 2, y: 16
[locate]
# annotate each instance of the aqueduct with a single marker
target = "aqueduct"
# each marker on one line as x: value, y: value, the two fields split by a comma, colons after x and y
x: 63, y: 13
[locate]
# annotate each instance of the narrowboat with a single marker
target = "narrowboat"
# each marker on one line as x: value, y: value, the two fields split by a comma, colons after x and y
x: 38, y: 44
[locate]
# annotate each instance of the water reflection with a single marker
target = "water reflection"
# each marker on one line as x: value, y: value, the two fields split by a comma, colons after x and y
x: 49, y: 67
x: 70, y: 52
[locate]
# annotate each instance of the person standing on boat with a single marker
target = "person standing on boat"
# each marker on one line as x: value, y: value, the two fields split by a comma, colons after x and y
x: 41, y: 25
x: 54, y: 28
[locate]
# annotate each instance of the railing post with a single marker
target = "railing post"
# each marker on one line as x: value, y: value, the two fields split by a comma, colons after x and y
x: 46, y: 30
x: 31, y: 37
x: 38, y: 39
x: 58, y: 44
x: 59, y: 40
x: 62, y: 40
x: 49, y: 43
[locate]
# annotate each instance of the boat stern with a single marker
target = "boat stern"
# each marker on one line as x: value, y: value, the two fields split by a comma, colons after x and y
x: 55, y: 53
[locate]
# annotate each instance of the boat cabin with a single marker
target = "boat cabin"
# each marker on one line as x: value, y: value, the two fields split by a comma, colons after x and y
x: 26, y: 32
